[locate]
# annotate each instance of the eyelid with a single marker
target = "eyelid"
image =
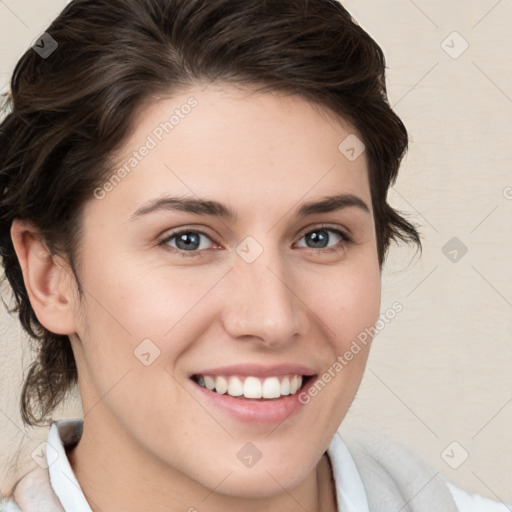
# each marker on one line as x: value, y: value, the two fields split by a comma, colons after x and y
x: 163, y: 241
x: 333, y: 227
x: 343, y: 232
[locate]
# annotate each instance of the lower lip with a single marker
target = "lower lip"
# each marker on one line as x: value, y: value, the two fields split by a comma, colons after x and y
x: 262, y: 411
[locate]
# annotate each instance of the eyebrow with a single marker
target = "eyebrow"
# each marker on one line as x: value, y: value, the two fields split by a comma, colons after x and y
x: 212, y: 208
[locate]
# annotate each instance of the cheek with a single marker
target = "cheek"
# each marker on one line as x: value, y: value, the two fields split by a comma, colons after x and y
x: 352, y: 319
x: 348, y: 303
x: 126, y: 362
x: 348, y: 306
x: 132, y: 308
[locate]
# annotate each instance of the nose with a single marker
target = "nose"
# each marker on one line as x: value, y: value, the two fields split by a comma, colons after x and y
x: 263, y: 301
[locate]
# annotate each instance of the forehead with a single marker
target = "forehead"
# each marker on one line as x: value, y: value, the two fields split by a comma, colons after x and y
x: 243, y: 148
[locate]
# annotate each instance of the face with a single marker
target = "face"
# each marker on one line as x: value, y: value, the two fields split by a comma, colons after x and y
x: 181, y: 295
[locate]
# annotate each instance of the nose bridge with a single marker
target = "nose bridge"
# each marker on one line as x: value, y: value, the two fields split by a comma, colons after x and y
x: 262, y: 302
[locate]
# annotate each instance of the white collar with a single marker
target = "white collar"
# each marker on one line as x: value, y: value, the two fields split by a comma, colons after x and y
x: 64, y: 433
x: 350, y: 491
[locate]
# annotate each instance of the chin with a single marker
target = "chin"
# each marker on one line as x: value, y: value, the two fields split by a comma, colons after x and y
x: 265, y: 480
x: 259, y: 485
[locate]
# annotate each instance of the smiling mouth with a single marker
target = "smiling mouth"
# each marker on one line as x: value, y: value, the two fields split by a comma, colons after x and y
x: 253, y: 388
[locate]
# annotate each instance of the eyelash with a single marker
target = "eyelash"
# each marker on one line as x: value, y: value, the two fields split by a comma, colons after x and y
x: 346, y: 240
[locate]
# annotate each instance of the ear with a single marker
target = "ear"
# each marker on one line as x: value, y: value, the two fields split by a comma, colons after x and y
x: 47, y: 279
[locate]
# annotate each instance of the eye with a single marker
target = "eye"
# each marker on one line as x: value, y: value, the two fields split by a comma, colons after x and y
x: 187, y: 241
x: 319, y: 237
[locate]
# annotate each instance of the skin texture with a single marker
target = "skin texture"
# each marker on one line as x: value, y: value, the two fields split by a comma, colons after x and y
x: 150, y: 441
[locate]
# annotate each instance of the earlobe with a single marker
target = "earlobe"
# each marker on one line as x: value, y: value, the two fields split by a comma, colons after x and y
x: 46, y: 279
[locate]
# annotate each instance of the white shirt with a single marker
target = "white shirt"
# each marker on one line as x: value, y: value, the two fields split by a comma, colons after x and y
x: 351, y: 495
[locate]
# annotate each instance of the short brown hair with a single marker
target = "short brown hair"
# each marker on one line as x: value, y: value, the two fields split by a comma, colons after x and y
x: 67, y: 113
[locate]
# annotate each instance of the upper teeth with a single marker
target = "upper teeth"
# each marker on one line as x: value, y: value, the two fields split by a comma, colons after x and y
x: 252, y: 387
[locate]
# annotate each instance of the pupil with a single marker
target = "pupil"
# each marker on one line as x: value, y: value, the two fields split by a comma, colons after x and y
x: 319, y: 236
x: 188, y: 239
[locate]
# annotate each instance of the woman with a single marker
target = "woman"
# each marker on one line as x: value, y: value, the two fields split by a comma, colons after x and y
x: 194, y: 223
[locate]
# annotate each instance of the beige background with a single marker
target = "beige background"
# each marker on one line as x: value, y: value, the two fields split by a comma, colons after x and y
x: 440, y: 371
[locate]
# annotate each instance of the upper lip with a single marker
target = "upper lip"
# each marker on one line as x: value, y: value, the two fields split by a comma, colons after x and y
x: 258, y: 370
